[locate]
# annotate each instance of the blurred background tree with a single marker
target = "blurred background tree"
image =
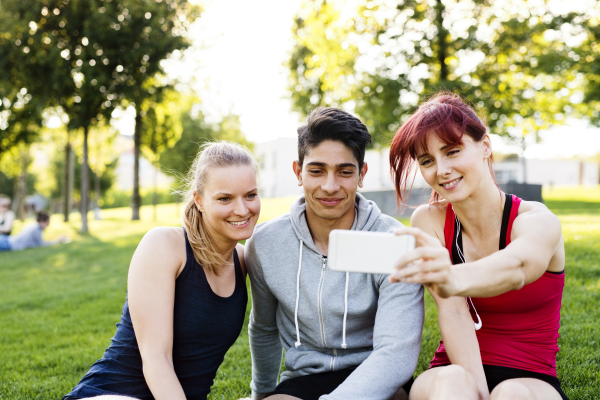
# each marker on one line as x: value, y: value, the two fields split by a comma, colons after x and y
x: 380, y: 59
x: 159, y: 129
x: 195, y: 131
x: 87, y: 56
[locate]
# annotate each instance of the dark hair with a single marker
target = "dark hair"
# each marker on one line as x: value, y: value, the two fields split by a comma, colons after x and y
x: 449, y: 117
x: 333, y: 124
x: 43, y: 216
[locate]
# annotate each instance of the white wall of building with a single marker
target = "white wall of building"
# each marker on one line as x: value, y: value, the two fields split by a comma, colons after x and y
x: 549, y: 172
x: 276, y: 175
x: 124, y: 169
x: 277, y: 178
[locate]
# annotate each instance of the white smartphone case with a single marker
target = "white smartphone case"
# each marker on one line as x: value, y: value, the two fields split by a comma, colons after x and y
x: 367, y: 252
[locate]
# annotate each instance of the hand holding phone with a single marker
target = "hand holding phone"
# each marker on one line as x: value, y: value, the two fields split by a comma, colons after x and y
x: 367, y: 252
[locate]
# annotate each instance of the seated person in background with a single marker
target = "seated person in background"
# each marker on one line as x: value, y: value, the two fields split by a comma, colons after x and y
x: 493, y: 263
x: 346, y: 336
x: 7, y: 217
x: 30, y: 236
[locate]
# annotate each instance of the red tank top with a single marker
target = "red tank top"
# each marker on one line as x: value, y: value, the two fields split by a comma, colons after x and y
x: 519, y: 328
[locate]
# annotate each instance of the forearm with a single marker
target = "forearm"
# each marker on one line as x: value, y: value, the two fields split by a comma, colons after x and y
x: 460, y: 342
x: 161, y: 378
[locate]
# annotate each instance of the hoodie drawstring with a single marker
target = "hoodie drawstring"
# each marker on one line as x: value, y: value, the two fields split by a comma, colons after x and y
x: 345, y: 313
x: 297, y: 344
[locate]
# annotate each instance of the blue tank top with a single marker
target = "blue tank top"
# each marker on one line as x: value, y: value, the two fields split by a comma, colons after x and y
x: 205, y: 326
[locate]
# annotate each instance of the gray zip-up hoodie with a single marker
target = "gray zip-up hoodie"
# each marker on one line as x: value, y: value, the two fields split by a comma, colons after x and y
x: 328, y: 320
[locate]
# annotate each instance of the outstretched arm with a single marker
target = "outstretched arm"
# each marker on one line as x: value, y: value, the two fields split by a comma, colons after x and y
x: 536, y: 238
x: 151, y: 295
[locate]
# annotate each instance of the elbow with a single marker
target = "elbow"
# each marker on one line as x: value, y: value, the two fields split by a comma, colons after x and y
x: 153, y: 360
x: 518, y: 276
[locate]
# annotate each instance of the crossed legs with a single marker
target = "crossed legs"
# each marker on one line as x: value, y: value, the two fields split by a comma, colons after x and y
x: 454, y: 382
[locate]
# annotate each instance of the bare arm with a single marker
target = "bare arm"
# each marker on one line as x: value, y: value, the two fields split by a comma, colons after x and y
x: 536, y: 237
x: 456, y: 323
x: 151, y: 293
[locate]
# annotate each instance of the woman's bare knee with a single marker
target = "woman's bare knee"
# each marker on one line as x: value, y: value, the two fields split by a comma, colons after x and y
x: 511, y: 390
x: 448, y: 382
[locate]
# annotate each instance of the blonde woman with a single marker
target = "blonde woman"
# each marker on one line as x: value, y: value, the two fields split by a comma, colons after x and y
x: 186, y: 289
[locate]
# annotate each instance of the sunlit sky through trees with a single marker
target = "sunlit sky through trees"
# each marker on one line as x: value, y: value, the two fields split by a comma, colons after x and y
x: 236, y: 65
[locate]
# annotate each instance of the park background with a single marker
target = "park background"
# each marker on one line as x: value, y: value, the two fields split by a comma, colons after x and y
x: 103, y: 104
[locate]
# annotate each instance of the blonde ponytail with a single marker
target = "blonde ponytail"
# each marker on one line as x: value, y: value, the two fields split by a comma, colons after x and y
x: 213, y: 154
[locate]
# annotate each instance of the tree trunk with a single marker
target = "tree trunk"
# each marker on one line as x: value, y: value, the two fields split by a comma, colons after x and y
x: 155, y: 194
x: 96, y: 196
x: 67, y: 193
x: 18, y: 205
x: 442, y: 37
x: 137, y: 138
x: 71, y: 178
x: 85, y: 183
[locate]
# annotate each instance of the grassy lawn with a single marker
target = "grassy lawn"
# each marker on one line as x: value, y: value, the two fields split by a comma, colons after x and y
x: 58, y: 305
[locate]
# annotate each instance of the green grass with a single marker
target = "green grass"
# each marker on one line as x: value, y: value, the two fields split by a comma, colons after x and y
x: 58, y: 305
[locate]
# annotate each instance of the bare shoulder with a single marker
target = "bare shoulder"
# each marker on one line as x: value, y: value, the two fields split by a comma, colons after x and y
x: 162, y: 246
x: 537, y: 210
x: 536, y: 220
x: 164, y: 237
x: 240, y: 251
x: 430, y: 217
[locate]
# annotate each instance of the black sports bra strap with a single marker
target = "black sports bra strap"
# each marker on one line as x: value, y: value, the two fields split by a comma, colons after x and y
x: 505, y: 219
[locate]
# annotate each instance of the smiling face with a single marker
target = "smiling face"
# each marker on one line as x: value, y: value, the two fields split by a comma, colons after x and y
x: 455, y: 172
x: 230, y: 204
x: 330, y: 177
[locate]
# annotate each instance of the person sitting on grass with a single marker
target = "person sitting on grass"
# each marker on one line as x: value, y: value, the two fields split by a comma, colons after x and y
x: 504, y: 255
x: 7, y: 217
x: 186, y: 298
x: 346, y: 336
x: 30, y: 236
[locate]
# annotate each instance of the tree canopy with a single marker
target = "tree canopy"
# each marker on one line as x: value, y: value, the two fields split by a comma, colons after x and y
x: 380, y: 60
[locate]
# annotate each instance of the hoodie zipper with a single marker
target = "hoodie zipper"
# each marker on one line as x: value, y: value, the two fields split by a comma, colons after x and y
x: 319, y: 302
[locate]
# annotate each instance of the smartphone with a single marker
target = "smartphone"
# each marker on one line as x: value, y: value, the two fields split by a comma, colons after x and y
x: 367, y: 252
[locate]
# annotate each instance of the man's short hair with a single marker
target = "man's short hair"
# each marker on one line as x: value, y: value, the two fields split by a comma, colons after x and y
x: 43, y: 216
x: 5, y: 198
x: 333, y: 124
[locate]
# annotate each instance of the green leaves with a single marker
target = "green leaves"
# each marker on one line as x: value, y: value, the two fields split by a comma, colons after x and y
x: 381, y: 60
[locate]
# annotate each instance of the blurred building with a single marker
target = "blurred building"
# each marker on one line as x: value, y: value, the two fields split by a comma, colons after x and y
x: 548, y: 172
x: 124, y: 169
x: 277, y: 178
x: 276, y: 174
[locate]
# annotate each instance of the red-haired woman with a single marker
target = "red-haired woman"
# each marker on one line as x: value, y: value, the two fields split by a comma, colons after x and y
x: 493, y: 263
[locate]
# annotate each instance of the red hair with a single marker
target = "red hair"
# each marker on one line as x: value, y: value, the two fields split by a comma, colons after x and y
x: 446, y: 115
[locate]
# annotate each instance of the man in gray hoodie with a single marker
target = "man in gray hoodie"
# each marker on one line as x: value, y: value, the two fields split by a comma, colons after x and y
x: 345, y: 335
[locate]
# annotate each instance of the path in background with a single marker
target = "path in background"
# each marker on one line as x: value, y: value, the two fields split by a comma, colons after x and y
x: 59, y: 305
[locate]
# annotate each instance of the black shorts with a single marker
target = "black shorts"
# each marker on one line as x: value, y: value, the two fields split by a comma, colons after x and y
x: 495, y: 375
x: 311, y: 387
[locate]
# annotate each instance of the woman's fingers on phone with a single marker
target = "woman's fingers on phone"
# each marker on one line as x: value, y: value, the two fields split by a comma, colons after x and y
x: 421, y: 238
x: 419, y: 268
x: 421, y: 253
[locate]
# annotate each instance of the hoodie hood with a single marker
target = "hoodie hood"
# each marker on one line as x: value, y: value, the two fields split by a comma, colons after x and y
x: 366, y: 214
